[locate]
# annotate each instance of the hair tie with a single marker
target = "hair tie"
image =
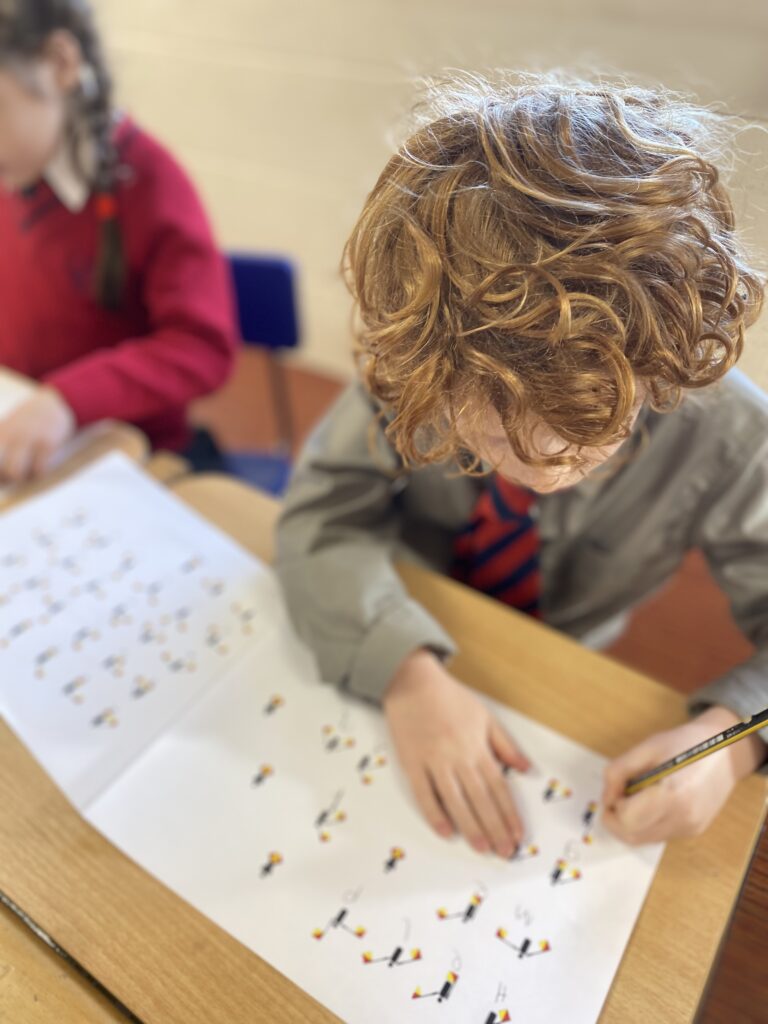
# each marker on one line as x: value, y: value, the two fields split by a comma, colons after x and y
x: 106, y: 206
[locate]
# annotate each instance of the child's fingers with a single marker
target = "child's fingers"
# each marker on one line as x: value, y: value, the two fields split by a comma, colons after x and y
x: 462, y: 813
x: 505, y: 748
x: 17, y: 461
x: 667, y: 827
x: 636, y: 761
x: 633, y: 818
x: 6, y: 444
x: 428, y: 802
x: 664, y: 829
x: 505, y: 801
x: 41, y: 456
x: 487, y: 812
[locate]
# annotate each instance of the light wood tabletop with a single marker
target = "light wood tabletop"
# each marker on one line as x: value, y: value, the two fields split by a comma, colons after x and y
x: 39, y: 987
x: 170, y: 965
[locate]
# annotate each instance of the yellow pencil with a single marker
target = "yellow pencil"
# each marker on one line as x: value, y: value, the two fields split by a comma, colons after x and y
x: 722, y: 739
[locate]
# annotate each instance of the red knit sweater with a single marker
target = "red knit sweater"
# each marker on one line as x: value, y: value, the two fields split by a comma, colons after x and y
x: 172, y: 340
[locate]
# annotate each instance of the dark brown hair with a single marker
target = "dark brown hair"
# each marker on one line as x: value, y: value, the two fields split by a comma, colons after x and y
x: 25, y: 26
x: 546, y: 246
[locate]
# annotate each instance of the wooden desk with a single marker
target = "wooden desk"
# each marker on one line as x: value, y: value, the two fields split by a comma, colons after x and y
x: 170, y: 965
x: 38, y: 987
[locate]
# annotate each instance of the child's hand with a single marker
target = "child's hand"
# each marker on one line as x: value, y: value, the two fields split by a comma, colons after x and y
x: 686, y: 802
x: 453, y: 752
x: 32, y: 433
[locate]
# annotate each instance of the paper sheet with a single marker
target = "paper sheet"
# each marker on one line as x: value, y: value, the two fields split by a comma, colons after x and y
x: 118, y: 605
x: 274, y: 804
x: 276, y: 808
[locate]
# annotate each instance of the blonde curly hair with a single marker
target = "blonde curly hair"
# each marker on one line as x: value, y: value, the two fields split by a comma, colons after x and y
x: 550, y: 248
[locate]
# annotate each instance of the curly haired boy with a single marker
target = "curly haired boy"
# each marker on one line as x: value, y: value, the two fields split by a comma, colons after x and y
x: 551, y: 299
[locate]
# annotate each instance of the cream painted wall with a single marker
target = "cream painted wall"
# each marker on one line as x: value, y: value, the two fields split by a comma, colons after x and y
x: 283, y: 109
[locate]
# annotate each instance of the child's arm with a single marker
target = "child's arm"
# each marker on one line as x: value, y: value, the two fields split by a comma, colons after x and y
x: 189, y: 348
x: 733, y: 534
x: 335, y: 540
x: 336, y: 536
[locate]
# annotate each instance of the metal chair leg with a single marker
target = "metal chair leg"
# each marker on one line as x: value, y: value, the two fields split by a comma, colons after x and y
x: 281, y: 402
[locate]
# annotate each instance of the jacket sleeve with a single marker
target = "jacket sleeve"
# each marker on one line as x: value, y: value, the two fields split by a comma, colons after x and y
x: 335, y: 542
x: 189, y: 347
x: 733, y: 534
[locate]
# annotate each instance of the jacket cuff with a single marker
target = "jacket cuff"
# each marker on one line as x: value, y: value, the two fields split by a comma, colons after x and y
x: 394, y: 636
x: 84, y: 401
x: 739, y: 693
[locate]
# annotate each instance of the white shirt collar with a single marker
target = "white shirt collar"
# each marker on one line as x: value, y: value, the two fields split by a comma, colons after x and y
x: 70, y: 181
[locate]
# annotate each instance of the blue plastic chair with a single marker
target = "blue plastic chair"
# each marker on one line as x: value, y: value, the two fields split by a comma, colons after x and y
x: 265, y: 288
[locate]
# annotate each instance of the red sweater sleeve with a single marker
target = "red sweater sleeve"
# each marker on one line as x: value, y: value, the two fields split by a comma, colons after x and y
x: 186, y: 293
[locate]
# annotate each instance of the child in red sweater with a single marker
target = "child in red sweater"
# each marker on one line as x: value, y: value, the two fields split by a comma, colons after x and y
x: 113, y: 293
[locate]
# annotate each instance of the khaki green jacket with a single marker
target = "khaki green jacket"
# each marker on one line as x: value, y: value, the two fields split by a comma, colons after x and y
x: 693, y: 478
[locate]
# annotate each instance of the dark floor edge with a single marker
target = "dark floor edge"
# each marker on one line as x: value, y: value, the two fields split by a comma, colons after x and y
x: 703, y: 1006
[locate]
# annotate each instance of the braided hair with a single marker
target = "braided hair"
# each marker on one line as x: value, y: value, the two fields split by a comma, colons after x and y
x: 25, y: 26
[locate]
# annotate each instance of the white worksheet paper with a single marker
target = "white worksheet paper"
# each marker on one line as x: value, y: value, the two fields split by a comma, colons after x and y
x: 274, y: 804
x: 118, y: 605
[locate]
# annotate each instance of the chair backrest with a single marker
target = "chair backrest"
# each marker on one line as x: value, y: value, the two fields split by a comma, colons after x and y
x: 265, y: 288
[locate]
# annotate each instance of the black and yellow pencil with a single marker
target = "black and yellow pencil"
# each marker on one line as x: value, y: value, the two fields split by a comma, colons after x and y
x: 722, y: 739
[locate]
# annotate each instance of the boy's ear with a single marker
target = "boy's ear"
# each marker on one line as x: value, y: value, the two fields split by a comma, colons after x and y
x: 63, y: 53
